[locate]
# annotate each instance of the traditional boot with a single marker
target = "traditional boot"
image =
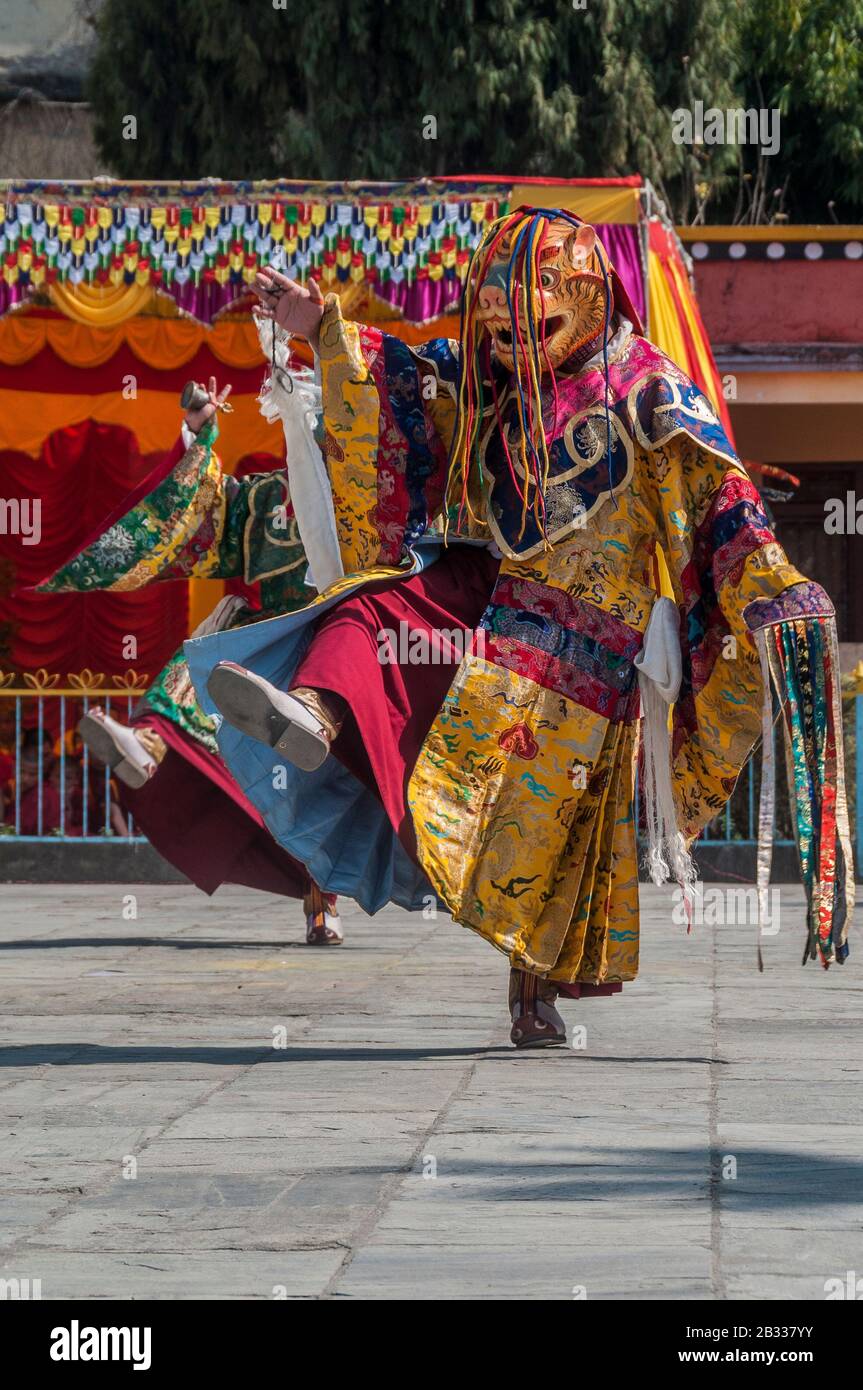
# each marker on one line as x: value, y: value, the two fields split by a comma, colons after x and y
x: 535, y: 1020
x: 301, y: 726
x: 132, y: 754
x: 323, y: 924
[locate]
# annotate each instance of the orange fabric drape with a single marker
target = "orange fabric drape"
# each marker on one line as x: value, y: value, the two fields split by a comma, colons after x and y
x: 101, y: 306
x: 165, y: 344
x: 152, y: 416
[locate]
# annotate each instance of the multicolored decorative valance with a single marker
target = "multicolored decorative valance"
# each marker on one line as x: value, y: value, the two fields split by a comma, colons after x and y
x: 202, y: 247
x: 200, y: 244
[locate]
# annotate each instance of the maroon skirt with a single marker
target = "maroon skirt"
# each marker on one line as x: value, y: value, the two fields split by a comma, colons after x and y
x: 195, y: 815
x: 393, y: 704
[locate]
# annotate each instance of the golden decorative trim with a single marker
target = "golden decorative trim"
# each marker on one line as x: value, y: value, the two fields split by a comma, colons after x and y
x: 812, y: 231
x: 40, y: 681
x: 86, y: 681
x: 131, y: 683
x: 81, y: 684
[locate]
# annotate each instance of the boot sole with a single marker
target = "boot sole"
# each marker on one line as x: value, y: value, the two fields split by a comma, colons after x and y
x: 532, y: 1044
x: 247, y: 707
x: 101, y: 744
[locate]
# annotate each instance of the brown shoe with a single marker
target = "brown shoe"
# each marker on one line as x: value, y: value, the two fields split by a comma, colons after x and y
x: 323, y: 924
x: 535, y: 1020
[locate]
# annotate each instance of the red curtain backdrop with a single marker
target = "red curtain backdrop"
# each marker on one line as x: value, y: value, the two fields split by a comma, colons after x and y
x: 82, y: 473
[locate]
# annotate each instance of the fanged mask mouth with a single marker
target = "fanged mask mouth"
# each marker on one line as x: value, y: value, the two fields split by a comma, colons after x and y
x: 503, y: 338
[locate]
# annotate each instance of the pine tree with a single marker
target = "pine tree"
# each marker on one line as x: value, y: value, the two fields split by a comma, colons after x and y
x: 208, y: 84
x: 388, y: 89
x: 508, y: 87
x: 805, y: 58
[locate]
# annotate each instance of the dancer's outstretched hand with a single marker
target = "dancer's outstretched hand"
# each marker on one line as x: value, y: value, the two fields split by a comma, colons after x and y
x: 294, y: 307
x: 196, y: 418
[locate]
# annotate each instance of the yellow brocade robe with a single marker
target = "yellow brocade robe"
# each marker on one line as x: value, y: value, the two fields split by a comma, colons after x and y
x: 522, y: 795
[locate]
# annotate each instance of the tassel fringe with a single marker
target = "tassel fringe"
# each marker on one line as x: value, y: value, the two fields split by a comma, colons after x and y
x: 800, y: 661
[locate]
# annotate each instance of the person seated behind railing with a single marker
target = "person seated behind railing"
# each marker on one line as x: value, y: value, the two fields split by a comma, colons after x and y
x: 71, y: 773
x: 28, y: 788
x: 7, y: 775
x: 7, y: 750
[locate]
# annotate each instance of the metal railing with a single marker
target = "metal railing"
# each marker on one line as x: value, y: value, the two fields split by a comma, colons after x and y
x: 56, y: 791
x: 41, y: 693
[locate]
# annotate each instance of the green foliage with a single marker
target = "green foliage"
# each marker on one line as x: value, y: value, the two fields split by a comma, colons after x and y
x: 207, y: 83
x: 338, y: 90
x: 806, y: 58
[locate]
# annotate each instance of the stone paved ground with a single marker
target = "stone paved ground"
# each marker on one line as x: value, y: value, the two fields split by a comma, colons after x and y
x: 147, y: 1046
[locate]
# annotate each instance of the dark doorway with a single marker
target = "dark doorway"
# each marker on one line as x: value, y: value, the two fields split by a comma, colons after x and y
x: 836, y: 561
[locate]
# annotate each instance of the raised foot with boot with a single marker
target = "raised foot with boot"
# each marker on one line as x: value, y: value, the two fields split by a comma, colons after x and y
x: 300, y: 725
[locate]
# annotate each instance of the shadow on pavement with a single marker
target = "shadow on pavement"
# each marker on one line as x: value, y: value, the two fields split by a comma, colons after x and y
x: 229, y: 943
x: 96, y: 1054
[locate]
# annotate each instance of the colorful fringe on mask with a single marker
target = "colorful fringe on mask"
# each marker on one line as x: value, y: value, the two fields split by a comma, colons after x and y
x: 527, y: 228
x: 801, y: 663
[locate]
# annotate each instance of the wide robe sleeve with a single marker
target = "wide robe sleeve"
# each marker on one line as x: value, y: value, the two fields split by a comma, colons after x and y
x: 388, y: 419
x: 192, y: 522
x: 753, y: 629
